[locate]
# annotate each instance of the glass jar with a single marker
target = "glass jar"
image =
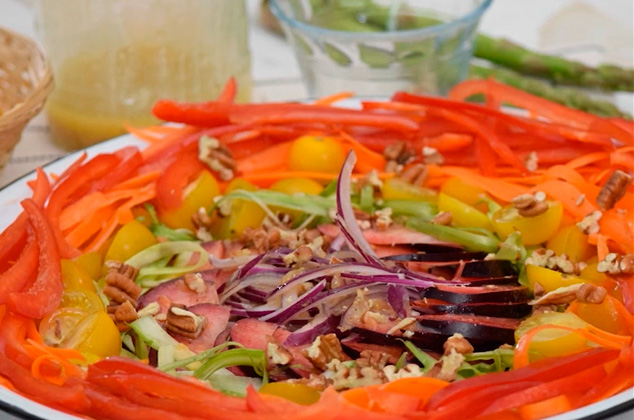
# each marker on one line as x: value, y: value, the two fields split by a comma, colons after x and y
x: 112, y: 59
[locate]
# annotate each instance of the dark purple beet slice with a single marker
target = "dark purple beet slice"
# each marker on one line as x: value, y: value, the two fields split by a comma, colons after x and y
x: 217, y: 319
x: 501, y: 310
x: 176, y: 291
x: 490, y: 268
x: 479, y: 294
x: 471, y: 326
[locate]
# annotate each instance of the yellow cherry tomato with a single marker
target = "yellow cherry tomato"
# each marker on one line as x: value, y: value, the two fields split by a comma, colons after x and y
x: 316, y: 154
x: 553, y: 342
x: 198, y: 194
x: 535, y: 230
x: 81, y: 323
x: 297, y: 186
x: 132, y: 238
x: 397, y: 189
x: 75, y: 277
x: 96, y: 335
x: 463, y: 191
x: 602, y: 315
x: 84, y: 300
x: 549, y: 279
x: 462, y: 214
x: 244, y: 214
x: 571, y: 241
x: 91, y: 263
x: 590, y: 272
x: 298, y: 393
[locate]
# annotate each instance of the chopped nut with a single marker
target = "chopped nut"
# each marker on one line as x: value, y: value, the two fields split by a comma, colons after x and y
x: 383, y: 218
x: 393, y: 150
x: 372, y: 358
x: 443, y: 218
x: 617, y: 264
x: 408, y: 371
x: 449, y: 365
x: 589, y: 293
x: 414, y: 174
x: 547, y: 258
x: 301, y: 255
x: 195, y: 282
x: 432, y: 156
x: 457, y: 343
x: 201, y: 219
x: 590, y: 223
x: 613, y: 190
x: 325, y: 349
x: 122, y: 315
x: 319, y: 382
x: 393, y: 167
x: 399, y: 153
x: 531, y: 161
x: 345, y: 375
x: 120, y: 286
x: 277, y: 354
x: 217, y: 156
x: 150, y: 310
x: 183, y: 322
x: 528, y: 205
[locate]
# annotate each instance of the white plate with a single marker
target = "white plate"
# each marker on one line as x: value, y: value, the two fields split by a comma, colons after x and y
x: 618, y: 407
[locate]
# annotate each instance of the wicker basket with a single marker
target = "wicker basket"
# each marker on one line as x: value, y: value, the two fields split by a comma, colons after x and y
x: 26, y: 80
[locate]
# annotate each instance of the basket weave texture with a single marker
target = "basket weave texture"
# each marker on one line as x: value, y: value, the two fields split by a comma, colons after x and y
x: 26, y: 79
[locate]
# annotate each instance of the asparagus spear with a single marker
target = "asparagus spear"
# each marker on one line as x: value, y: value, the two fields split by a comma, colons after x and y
x: 563, y: 95
x: 513, y: 56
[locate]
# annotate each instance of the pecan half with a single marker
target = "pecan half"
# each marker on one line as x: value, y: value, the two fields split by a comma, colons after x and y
x: 120, y: 286
x: 414, y: 174
x: 529, y: 205
x: 183, y: 322
x: 122, y: 315
x: 217, y: 156
x: 589, y: 293
x: 613, y: 190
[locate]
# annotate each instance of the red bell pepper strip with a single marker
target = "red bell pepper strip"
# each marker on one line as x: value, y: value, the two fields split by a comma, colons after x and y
x: 13, y: 238
x: 65, y: 398
x: 557, y: 113
x: 22, y: 271
x: 45, y: 293
x: 543, y: 370
x: 131, y: 159
x: 579, y: 382
x: 188, y: 113
x: 314, y: 114
x: 229, y: 91
x: 170, y: 184
x: 544, y: 130
x: 76, y: 183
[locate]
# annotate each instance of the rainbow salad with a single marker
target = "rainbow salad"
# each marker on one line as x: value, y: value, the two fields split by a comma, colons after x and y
x: 417, y: 258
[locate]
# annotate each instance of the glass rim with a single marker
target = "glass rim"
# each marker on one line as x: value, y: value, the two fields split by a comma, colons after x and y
x: 404, y: 35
